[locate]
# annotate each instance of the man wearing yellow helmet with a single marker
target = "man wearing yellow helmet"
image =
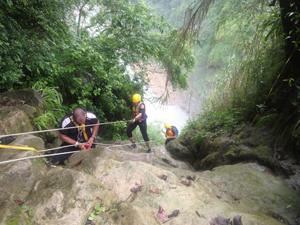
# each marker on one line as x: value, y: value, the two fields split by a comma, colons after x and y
x: 171, y: 133
x: 139, y: 118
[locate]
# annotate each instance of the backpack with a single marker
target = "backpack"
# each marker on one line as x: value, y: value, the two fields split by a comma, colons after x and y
x: 177, y: 132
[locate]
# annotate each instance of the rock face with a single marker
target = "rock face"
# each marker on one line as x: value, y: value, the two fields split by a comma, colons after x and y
x: 18, y: 108
x: 119, y: 185
x: 206, y: 153
x: 13, y: 120
x: 29, y: 96
x: 18, y: 178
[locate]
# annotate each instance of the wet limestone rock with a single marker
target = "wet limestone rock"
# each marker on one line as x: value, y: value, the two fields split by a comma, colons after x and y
x: 30, y: 96
x: 67, y: 196
x: 131, y: 182
x: 11, y: 213
x: 13, y: 120
x: 178, y: 151
x: 255, y: 189
x: 18, y: 178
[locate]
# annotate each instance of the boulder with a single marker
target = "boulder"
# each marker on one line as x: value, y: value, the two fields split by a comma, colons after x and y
x: 255, y: 189
x: 13, y: 120
x: 18, y: 178
x: 28, y: 96
x: 67, y: 196
x: 178, y: 151
x: 11, y: 213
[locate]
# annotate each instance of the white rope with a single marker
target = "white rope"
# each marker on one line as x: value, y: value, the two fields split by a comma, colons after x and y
x: 67, y: 128
x: 63, y: 153
x: 34, y: 157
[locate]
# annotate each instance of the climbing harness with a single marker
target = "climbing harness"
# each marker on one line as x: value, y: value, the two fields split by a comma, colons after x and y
x: 136, y: 111
x: 81, y: 129
x: 56, y: 129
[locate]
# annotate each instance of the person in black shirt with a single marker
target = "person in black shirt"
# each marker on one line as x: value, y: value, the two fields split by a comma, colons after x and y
x: 81, y: 137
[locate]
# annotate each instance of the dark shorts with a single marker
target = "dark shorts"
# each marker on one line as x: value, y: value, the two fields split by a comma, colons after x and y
x: 143, y: 129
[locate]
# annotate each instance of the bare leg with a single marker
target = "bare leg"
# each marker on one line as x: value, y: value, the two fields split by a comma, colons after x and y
x: 148, y: 144
x: 131, y: 139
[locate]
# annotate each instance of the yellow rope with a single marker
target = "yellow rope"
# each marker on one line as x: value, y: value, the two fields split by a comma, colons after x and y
x: 20, y: 148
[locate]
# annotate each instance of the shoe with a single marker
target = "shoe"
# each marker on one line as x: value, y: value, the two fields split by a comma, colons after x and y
x: 133, y: 145
x: 53, y: 162
x: 149, y: 151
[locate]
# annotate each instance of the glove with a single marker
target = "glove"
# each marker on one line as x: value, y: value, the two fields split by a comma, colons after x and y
x: 132, y: 121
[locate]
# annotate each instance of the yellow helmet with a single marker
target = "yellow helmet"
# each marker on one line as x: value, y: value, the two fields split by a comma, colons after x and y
x: 167, y: 126
x: 136, y: 98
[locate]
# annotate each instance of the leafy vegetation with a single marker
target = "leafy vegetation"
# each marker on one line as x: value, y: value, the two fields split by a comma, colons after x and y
x: 82, y: 50
x: 155, y: 134
x: 247, y: 63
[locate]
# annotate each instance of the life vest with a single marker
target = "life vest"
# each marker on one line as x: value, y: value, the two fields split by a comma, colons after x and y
x: 80, y: 127
x: 173, y: 131
x: 169, y: 132
x: 136, y: 111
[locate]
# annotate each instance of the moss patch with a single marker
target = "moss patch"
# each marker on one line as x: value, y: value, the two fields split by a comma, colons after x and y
x: 266, y: 121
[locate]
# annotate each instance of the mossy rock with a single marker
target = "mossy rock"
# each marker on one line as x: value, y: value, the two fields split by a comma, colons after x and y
x: 178, y: 151
x: 30, y: 96
x: 12, y: 214
x: 13, y: 121
x: 266, y: 121
x: 18, y: 178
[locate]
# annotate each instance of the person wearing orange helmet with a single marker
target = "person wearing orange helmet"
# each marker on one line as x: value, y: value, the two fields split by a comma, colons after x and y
x: 139, y: 118
x: 171, y: 133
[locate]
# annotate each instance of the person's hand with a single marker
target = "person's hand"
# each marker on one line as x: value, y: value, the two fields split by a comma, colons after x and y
x: 91, y: 141
x: 132, y: 121
x: 81, y: 146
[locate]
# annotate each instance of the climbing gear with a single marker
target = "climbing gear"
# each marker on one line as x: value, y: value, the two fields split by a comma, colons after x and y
x: 62, y: 153
x: 132, y: 121
x: 176, y: 130
x: 133, y: 145
x: 20, y: 148
x: 136, y: 111
x: 167, y: 126
x: 80, y: 127
x: 136, y: 98
x: 76, y: 144
x: 57, y: 129
x: 172, y: 131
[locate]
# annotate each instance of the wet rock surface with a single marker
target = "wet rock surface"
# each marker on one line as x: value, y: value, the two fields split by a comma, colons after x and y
x: 121, y: 189
x: 18, y: 179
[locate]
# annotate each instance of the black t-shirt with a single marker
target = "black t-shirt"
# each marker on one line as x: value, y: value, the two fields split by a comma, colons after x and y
x: 76, y: 134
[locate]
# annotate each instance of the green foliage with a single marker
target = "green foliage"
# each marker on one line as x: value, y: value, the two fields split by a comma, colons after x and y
x: 96, y: 211
x: 83, y: 60
x: 26, y: 209
x: 253, y: 59
x: 155, y: 133
x: 55, y: 108
x: 216, y: 122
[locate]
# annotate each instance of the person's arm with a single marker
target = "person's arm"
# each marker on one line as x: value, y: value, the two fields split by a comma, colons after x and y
x: 70, y: 141
x: 94, y: 133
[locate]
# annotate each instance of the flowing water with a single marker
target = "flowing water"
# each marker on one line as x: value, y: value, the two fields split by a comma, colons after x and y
x: 171, y: 114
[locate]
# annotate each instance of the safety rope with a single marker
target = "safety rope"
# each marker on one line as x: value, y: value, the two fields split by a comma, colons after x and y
x: 19, y: 148
x: 62, y: 153
x: 66, y: 128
